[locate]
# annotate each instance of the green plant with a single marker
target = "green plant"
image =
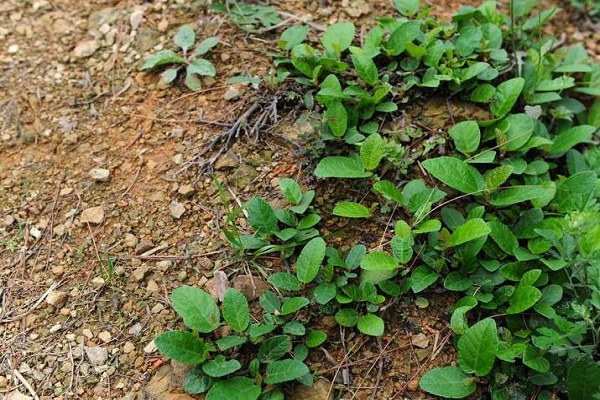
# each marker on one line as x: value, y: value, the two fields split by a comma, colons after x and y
x: 276, y: 229
x: 191, y: 63
x: 249, y: 16
x: 277, y: 344
x: 502, y: 211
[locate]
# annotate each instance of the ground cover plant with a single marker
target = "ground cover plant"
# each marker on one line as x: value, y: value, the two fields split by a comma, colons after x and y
x: 501, y: 210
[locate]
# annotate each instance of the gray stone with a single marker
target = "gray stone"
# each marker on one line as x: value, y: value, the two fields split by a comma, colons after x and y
x: 93, y: 215
x: 243, y: 176
x: 56, y: 298
x: 86, y: 48
x: 104, y: 16
x: 99, y: 174
x: 231, y: 94
x: 176, y: 209
x: 97, y: 355
x: 130, y: 240
x: 227, y: 160
x: 146, y: 39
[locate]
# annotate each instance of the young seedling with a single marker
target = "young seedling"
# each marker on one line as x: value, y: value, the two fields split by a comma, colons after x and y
x: 186, y: 61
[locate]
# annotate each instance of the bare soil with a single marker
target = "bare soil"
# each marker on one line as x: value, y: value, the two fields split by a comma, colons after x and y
x: 87, y: 262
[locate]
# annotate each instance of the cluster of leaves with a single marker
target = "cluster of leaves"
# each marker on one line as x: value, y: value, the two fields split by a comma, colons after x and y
x: 590, y: 8
x: 249, y: 16
x: 291, y: 227
x: 281, y: 340
x: 189, y: 64
x: 523, y: 244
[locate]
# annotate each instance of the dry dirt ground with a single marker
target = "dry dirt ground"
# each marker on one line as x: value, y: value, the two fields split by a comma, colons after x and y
x: 103, y: 210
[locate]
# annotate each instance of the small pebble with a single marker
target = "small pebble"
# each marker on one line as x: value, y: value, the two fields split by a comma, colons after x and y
x: 99, y: 174
x: 105, y: 336
x: 176, y: 209
x: 13, y: 48
x: 150, y: 348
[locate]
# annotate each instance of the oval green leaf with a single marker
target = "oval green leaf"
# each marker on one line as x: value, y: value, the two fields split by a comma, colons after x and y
x: 235, y: 310
x: 197, y: 308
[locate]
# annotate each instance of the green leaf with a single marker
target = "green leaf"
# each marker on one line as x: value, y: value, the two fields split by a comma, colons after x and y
x: 472, y: 229
x: 309, y: 221
x: 324, y: 293
x: 506, y: 96
x: 293, y: 36
x: 503, y: 236
x: 448, y: 382
x: 377, y: 260
x: 516, y: 194
x: 169, y: 75
x: 269, y: 300
x: 291, y: 190
x: 557, y: 84
x: 402, y: 248
x: 336, y: 118
x: 466, y: 136
x: 192, y: 82
x: 593, y: 117
x: 228, y: 342
x: 235, y: 310
x: 422, y: 277
x: 201, y: 67
x: 338, y: 37
x: 523, y: 298
x: 432, y: 225
x: 261, y: 216
x: 570, y: 138
x: 355, y: 256
x: 372, y: 150
x: 483, y: 93
x: 514, y: 131
x: 294, y: 328
x: 285, y: 370
x: 310, y: 259
x: 257, y: 330
x: 388, y: 190
x: 219, y: 366
x: 457, y: 282
x: 371, y: 325
x: 347, y: 317
x: 522, y: 8
x: 407, y: 7
x: 196, y: 382
x: 183, y: 347
x: 274, y: 348
x: 340, y: 167
x: 185, y: 37
x: 577, y: 192
x: 198, y: 309
x: 206, y: 45
x: 497, y: 176
x: 365, y: 68
x: 301, y: 208
x: 404, y: 34
x: 455, y: 173
x: 351, y: 209
x: 161, y: 58
x: 477, y: 347
x: 535, y: 360
x: 315, y: 338
x: 285, y: 281
x: 237, y: 388
x: 386, y: 106
x: 582, y: 380
x: 468, y: 40
x: 293, y: 304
